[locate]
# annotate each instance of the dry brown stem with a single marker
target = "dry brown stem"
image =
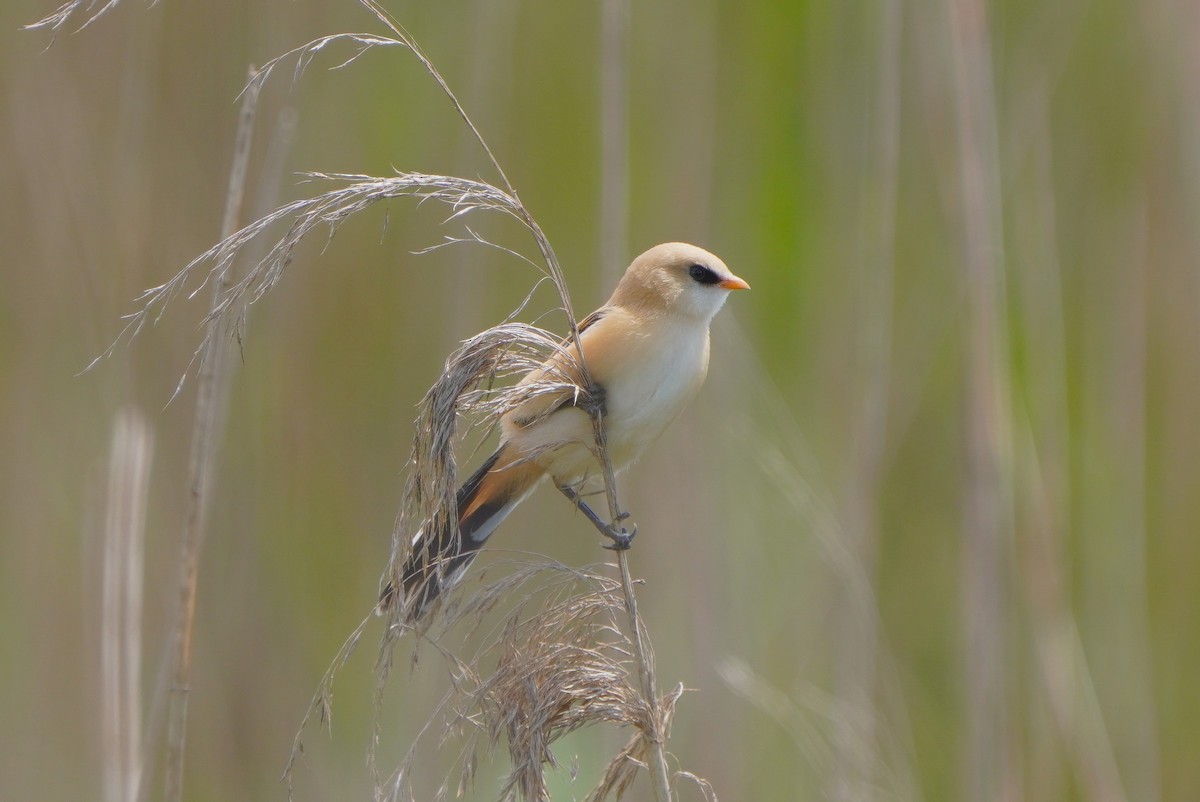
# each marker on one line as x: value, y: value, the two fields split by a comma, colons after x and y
x: 210, y: 383
x: 988, y: 524
x: 660, y: 778
x: 121, y: 606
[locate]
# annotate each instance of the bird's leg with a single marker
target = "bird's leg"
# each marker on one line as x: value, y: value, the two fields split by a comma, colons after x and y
x: 594, y: 403
x: 621, y: 538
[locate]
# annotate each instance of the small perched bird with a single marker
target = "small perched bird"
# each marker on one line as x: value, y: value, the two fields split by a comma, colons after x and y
x: 646, y: 352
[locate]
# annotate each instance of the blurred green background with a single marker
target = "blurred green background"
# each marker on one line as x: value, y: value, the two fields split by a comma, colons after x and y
x: 929, y: 531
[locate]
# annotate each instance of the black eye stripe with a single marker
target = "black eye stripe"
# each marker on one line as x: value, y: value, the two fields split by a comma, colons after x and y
x: 703, y: 275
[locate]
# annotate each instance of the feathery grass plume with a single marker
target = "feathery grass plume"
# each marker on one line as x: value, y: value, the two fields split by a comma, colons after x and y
x: 58, y: 19
x: 565, y: 666
x: 466, y: 389
x: 326, y: 211
x: 559, y: 661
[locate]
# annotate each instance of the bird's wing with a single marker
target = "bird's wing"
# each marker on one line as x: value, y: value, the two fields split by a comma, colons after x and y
x: 591, y: 319
x: 560, y: 368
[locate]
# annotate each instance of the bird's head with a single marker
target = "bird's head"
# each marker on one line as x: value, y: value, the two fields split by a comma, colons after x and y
x: 677, y: 278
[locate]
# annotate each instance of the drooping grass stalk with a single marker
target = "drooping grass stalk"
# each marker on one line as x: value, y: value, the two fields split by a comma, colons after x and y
x: 543, y: 242
x: 211, y: 379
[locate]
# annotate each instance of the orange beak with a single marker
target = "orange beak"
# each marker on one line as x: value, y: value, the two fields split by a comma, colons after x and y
x: 734, y: 283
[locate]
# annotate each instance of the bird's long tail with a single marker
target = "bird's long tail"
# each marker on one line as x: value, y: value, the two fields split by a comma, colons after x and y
x: 484, y: 501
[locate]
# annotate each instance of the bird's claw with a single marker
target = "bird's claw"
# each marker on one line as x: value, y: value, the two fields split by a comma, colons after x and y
x: 621, y: 538
x: 594, y: 401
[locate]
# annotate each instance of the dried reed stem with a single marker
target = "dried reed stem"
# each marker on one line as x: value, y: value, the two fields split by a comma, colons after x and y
x: 659, y: 776
x: 487, y: 88
x: 1127, y: 410
x: 561, y: 662
x: 614, y: 137
x: 857, y: 650
x: 543, y: 242
x: 211, y: 381
x: 121, y: 607
x: 988, y: 491
x: 1044, y: 432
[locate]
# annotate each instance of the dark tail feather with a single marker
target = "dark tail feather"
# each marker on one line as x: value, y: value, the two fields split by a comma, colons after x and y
x: 433, y: 568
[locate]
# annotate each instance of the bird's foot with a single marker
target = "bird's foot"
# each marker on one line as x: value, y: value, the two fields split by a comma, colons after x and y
x: 621, y: 538
x: 594, y: 401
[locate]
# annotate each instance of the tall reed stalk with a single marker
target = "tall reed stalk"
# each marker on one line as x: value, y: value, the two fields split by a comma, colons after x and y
x: 121, y: 607
x: 988, y: 503
x: 614, y: 138
x: 856, y: 679
x: 211, y: 381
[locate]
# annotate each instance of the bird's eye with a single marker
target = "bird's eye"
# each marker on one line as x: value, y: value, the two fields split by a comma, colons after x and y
x: 703, y: 275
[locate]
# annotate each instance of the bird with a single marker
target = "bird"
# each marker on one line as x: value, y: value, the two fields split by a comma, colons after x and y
x: 646, y: 352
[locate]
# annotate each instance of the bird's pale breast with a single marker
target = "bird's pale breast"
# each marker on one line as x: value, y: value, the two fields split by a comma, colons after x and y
x: 659, y: 377
x: 649, y: 371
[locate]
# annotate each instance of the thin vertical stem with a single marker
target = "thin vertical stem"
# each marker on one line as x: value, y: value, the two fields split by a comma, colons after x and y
x: 1134, y: 707
x: 543, y: 241
x: 210, y: 385
x: 1046, y: 481
x: 659, y: 776
x: 614, y: 138
x: 988, y: 508
x: 487, y: 89
x: 858, y: 646
x: 121, y: 606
